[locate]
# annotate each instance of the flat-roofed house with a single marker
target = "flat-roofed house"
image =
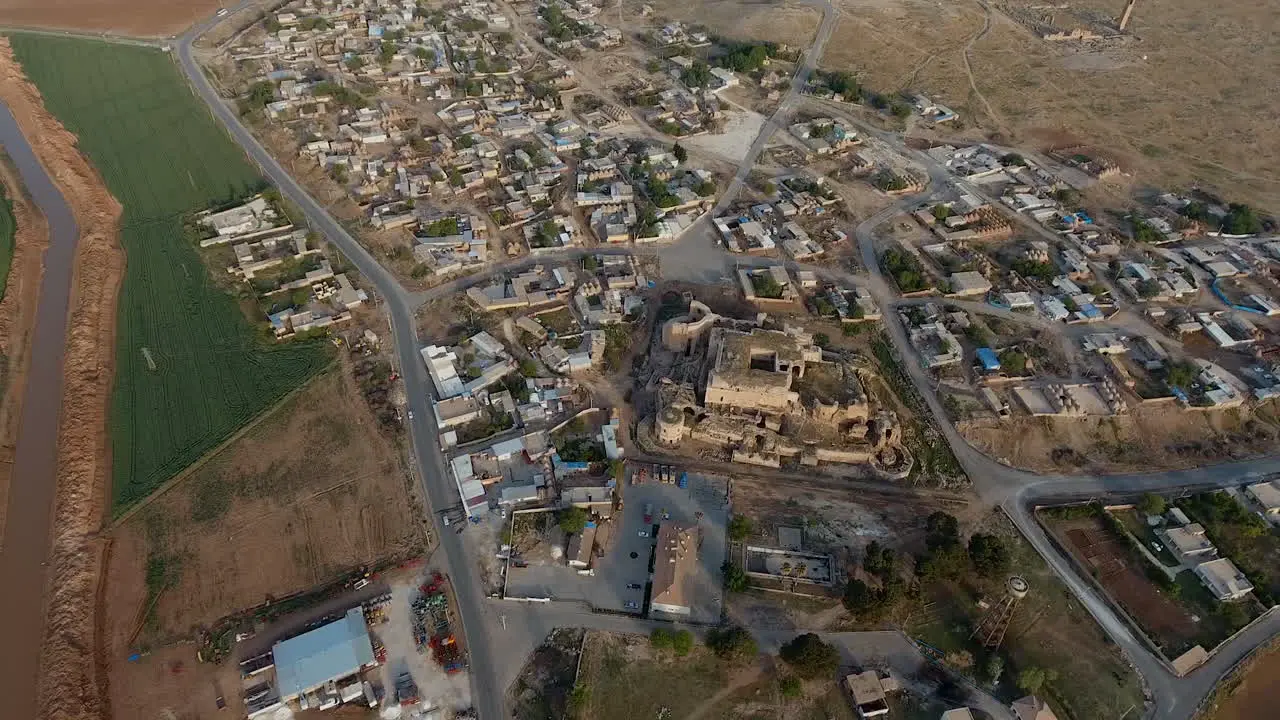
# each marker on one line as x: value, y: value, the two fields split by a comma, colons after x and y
x: 1032, y: 708
x: 1224, y: 579
x: 1189, y: 541
x: 868, y: 694
x: 1267, y: 495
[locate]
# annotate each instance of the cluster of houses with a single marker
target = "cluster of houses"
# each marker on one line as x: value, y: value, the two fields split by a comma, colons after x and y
x: 498, y: 165
x: 296, y: 286
x: 769, y: 227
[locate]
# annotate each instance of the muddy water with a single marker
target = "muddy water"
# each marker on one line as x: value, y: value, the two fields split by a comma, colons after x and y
x: 25, y: 547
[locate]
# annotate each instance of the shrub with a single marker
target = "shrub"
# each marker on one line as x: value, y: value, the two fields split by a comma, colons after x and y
x: 809, y: 656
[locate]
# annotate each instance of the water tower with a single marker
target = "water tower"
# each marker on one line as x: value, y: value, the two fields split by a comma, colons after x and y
x: 990, y: 632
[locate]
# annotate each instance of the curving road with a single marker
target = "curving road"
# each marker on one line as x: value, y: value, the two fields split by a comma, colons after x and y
x: 400, y: 305
x: 1014, y: 490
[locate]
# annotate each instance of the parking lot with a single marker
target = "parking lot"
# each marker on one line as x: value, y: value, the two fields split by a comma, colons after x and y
x: 627, y: 552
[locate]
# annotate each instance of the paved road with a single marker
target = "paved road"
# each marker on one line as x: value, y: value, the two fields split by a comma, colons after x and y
x: 1013, y: 489
x: 438, y: 489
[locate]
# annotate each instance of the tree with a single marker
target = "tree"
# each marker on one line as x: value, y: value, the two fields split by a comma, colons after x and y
x: 941, y: 212
x: 989, y: 554
x: 879, y: 560
x: 822, y: 340
x: 682, y: 642
x: 1151, y: 504
x: 1034, y: 678
x: 994, y: 668
x: 732, y: 643
x: 1241, y: 220
x: 810, y: 657
x: 1010, y: 159
x: 735, y: 578
x: 680, y: 153
x: 660, y: 639
x: 1149, y: 288
x: 572, y: 520
x: 942, y: 531
x: 696, y: 75
x: 859, y: 597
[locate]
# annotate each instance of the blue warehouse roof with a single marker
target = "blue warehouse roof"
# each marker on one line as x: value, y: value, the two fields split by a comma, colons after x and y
x: 329, y: 652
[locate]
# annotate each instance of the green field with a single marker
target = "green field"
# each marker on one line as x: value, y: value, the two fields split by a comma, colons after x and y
x: 8, y: 227
x: 163, y: 157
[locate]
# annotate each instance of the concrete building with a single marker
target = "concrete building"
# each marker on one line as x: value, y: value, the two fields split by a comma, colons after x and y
x: 1032, y: 708
x: 957, y: 714
x: 754, y: 371
x: 868, y: 694
x: 1267, y: 495
x: 306, y: 664
x: 581, y: 545
x: 1224, y: 579
x: 674, y: 566
x: 968, y: 284
x: 1189, y: 542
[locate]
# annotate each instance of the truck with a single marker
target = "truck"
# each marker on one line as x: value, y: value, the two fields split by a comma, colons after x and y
x: 406, y: 689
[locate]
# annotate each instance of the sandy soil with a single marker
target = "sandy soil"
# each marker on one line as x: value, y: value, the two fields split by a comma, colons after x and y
x: 269, y: 516
x: 1256, y: 694
x: 70, y: 682
x: 17, y: 320
x: 123, y: 17
x: 1145, y: 439
x: 1174, y: 104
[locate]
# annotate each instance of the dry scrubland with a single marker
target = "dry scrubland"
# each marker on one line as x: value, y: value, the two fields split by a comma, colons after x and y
x: 124, y: 17
x: 1201, y: 106
x: 789, y: 23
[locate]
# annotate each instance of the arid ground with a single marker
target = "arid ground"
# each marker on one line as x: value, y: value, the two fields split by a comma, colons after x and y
x: 122, y: 17
x: 310, y: 492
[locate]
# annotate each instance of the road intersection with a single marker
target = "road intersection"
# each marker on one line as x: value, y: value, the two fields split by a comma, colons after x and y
x: 494, y: 652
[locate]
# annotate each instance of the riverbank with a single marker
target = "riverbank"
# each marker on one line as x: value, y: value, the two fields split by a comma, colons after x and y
x: 17, y: 319
x: 82, y: 280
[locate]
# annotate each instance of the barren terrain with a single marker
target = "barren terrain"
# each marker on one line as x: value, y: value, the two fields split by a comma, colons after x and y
x: 70, y: 684
x: 17, y: 320
x: 313, y: 491
x: 123, y: 17
x: 1161, y: 437
x: 1188, y: 96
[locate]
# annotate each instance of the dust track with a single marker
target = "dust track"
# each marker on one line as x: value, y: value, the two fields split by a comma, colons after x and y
x: 17, y: 321
x: 71, y: 682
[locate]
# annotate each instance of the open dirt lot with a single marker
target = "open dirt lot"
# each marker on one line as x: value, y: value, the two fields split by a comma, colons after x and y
x: 17, y: 320
x: 311, y: 492
x: 123, y: 17
x: 1187, y: 97
x: 1254, y: 694
x: 1145, y: 439
x: 787, y: 23
x: 1110, y: 563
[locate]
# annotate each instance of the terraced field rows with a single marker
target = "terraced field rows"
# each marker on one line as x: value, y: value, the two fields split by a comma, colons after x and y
x: 162, y: 156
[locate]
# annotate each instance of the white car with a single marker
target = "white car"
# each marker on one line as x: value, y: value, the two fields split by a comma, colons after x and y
x: 410, y: 414
x: 222, y: 12
x: 643, y: 533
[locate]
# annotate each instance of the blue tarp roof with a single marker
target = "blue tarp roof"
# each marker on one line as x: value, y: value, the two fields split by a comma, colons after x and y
x: 988, y: 358
x: 330, y: 652
x: 1090, y: 311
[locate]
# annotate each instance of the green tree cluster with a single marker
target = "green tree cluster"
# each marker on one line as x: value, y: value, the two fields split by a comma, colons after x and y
x: 809, y: 656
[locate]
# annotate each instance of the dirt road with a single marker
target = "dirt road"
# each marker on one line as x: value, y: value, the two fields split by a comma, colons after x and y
x: 60, y: 460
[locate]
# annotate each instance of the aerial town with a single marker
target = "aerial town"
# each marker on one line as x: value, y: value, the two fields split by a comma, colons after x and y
x: 593, y: 360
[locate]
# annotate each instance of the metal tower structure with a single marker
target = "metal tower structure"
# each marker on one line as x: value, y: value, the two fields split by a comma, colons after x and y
x: 990, y: 632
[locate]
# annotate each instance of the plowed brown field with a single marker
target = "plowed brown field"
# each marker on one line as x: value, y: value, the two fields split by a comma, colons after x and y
x: 123, y: 17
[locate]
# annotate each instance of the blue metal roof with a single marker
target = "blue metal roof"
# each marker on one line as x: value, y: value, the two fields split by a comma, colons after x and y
x: 329, y: 652
x: 988, y: 358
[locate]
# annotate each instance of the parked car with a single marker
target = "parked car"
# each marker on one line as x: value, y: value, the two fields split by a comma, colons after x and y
x: 635, y: 586
x: 648, y: 513
x: 632, y: 605
x: 643, y: 533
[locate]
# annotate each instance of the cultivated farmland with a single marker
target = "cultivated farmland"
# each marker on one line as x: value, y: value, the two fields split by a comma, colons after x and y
x: 203, y: 374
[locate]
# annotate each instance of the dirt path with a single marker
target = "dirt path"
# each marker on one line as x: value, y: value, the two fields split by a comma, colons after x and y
x: 737, y: 681
x: 17, y: 321
x: 71, y: 684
